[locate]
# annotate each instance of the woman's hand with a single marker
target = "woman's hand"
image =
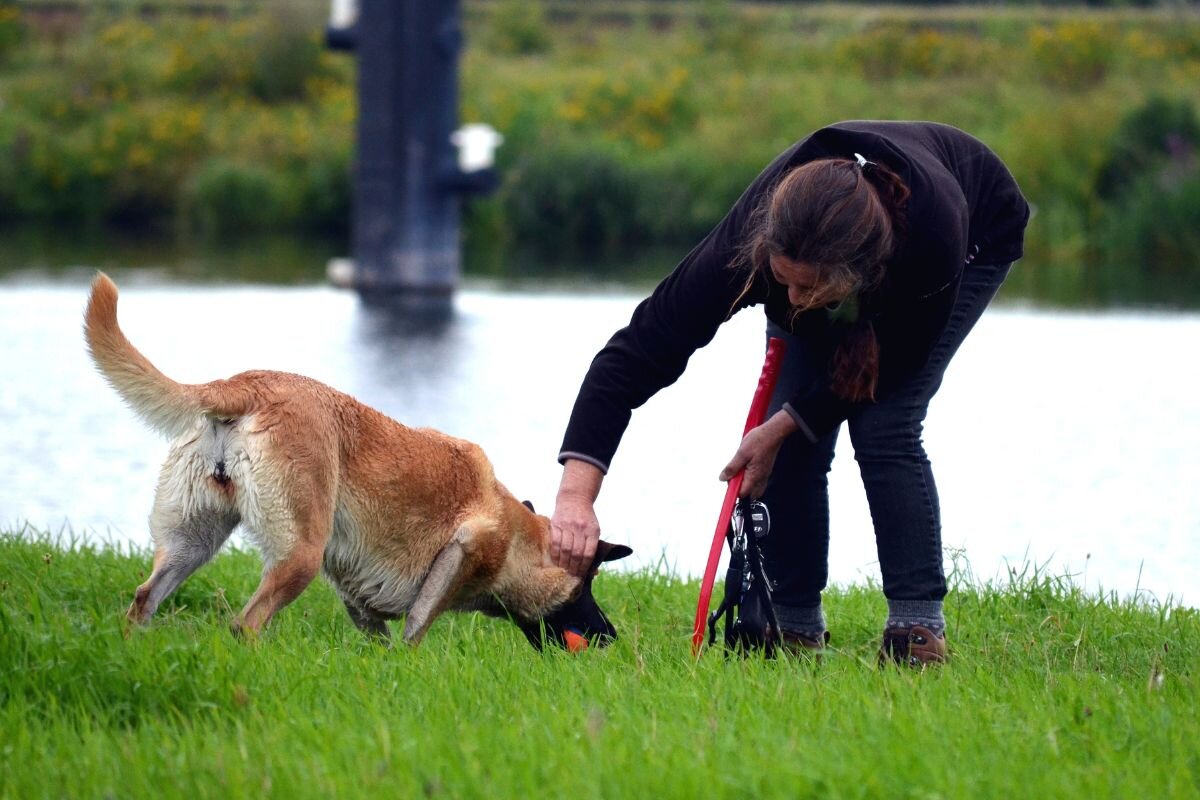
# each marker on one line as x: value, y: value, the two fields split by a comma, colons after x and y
x: 574, y: 528
x: 757, y: 452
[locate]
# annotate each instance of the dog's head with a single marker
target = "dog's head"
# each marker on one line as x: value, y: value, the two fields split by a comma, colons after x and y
x: 580, y: 620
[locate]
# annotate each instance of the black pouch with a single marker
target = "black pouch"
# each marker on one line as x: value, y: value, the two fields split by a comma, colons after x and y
x: 750, y: 622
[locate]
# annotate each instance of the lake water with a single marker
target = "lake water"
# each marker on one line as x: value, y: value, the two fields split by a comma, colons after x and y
x: 1068, y: 440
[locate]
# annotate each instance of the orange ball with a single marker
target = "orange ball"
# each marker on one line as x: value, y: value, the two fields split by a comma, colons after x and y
x: 575, y: 642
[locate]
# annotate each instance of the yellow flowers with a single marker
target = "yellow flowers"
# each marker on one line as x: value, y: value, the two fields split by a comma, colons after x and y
x: 1077, y: 53
x: 640, y: 107
x: 128, y: 33
x: 893, y: 50
x: 138, y: 157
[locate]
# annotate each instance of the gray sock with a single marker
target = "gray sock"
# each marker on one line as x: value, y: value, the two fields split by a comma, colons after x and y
x: 906, y: 613
x: 806, y: 620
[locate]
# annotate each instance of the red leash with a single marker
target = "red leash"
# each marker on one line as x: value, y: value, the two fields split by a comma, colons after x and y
x: 758, y: 411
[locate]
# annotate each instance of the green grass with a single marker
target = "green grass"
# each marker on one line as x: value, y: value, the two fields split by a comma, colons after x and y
x: 1051, y: 693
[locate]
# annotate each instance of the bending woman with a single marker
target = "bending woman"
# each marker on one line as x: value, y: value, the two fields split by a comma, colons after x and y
x: 873, y: 247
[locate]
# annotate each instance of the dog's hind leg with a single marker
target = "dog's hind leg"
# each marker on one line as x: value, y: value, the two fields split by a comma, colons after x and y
x: 290, y: 512
x: 192, y: 517
x: 282, y: 582
x: 183, y: 544
x: 293, y: 549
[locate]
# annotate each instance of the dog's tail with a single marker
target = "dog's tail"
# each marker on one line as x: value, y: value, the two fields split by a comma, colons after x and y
x: 169, y: 407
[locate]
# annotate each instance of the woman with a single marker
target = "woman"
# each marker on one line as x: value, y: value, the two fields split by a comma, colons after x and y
x: 874, y: 248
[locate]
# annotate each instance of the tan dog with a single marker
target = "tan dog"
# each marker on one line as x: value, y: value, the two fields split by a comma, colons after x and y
x: 402, y: 521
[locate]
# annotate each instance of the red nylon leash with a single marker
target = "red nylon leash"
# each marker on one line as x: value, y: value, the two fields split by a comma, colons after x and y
x: 758, y: 411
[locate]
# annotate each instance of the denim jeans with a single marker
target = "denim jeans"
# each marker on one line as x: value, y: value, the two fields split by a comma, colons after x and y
x: 891, y: 457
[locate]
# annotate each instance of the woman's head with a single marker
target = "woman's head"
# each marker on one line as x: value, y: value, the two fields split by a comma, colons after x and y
x: 826, y: 232
x: 828, y: 229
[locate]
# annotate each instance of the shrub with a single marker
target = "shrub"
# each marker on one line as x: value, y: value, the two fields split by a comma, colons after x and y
x: 723, y: 28
x: 226, y: 197
x: 518, y: 27
x: 641, y: 108
x: 1147, y: 240
x: 1146, y: 233
x: 684, y: 192
x: 12, y: 29
x: 893, y: 51
x: 323, y: 199
x: 573, y: 198
x: 211, y: 60
x: 287, y: 51
x: 1162, y: 135
x: 1075, y: 54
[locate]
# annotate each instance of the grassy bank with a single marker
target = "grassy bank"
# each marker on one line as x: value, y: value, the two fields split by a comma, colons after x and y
x: 628, y: 125
x: 1051, y: 694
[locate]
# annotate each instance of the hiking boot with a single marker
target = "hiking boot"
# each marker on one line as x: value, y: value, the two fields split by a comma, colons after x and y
x: 797, y: 644
x: 914, y: 645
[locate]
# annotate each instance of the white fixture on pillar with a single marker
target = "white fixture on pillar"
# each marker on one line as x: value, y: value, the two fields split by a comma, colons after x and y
x: 476, y: 143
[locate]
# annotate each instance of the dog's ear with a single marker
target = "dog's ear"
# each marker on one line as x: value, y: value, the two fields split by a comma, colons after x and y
x: 606, y: 551
x: 528, y: 505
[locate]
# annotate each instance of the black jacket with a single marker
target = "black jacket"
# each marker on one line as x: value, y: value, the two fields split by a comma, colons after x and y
x: 964, y: 202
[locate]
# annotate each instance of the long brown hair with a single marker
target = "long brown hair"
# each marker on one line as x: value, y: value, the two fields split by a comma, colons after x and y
x: 846, y: 221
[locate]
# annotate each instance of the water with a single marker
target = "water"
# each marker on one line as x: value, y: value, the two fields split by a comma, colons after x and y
x: 1067, y: 440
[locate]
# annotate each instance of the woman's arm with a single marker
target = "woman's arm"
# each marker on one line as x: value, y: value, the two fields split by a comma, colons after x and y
x: 682, y: 314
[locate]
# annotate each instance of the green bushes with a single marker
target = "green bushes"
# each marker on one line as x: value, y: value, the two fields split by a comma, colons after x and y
x: 1148, y: 241
x: 1147, y: 231
x: 642, y: 108
x: 519, y: 28
x: 890, y: 51
x: 286, y: 53
x: 224, y: 196
x: 11, y: 29
x: 574, y: 199
x: 1157, y: 141
x: 221, y: 126
x: 622, y: 131
x: 1074, y: 54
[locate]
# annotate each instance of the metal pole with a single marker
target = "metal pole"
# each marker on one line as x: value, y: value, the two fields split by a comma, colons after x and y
x: 408, y: 182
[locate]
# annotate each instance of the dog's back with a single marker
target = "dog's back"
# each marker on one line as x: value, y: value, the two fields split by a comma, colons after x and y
x: 270, y: 446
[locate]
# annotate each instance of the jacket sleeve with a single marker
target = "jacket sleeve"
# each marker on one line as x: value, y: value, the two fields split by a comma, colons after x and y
x: 680, y: 316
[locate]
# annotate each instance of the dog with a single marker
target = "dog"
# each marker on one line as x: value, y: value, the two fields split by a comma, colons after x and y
x: 403, y: 522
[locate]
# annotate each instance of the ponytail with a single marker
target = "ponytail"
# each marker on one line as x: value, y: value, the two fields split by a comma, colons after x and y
x: 855, y: 369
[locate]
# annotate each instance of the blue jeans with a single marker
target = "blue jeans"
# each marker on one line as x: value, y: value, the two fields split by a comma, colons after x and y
x: 891, y: 458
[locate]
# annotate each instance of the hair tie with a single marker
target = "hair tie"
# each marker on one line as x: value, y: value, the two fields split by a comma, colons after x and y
x: 862, y: 162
